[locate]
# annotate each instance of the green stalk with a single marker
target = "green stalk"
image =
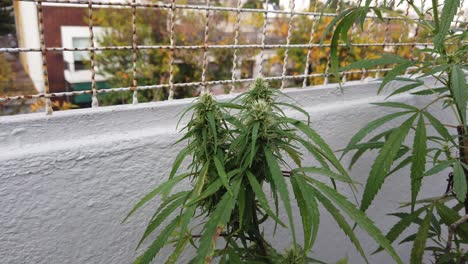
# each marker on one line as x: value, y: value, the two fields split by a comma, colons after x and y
x: 435, y: 4
x: 421, y: 15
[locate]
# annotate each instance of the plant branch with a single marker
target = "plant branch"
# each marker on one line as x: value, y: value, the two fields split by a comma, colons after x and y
x: 431, y: 103
x: 451, y: 232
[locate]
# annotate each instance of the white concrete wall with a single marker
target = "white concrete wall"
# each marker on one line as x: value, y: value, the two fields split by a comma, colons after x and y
x: 68, y: 180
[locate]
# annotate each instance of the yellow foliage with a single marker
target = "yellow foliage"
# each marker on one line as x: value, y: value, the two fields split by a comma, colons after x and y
x: 374, y: 32
x: 6, y: 74
x: 40, y: 104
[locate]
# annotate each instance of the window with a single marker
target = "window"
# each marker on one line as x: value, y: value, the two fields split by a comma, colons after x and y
x: 80, y: 58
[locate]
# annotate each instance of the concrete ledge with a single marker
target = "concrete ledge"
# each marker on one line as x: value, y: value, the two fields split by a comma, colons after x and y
x: 67, y: 180
x: 29, y: 131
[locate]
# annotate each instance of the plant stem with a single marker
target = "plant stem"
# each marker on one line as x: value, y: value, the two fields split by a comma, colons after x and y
x: 257, y: 234
x: 452, y: 229
x: 463, y: 148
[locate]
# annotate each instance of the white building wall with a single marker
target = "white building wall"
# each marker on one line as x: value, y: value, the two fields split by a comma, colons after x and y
x: 67, y: 34
x: 68, y: 180
x: 300, y: 5
x: 28, y: 31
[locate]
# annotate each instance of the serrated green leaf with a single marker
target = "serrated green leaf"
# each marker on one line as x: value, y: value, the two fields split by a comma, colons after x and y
x: 322, y: 145
x: 397, y: 105
x: 211, y: 122
x: 449, y: 216
x: 372, y: 63
x: 209, y: 190
x: 297, y: 108
x: 315, y: 152
x: 401, y: 165
x: 312, y: 206
x: 201, y: 180
x: 359, y: 217
x: 341, y: 31
x: 434, y: 70
x: 230, y: 105
x: 459, y: 90
x: 397, y: 70
x: 439, y: 167
x: 405, y: 88
x: 431, y: 91
x: 371, y: 127
x: 405, y: 79
x: 179, y: 248
x: 217, y: 222
x: 324, y: 172
x: 439, y: 127
x: 163, y: 188
x: 178, y: 160
x: 304, y: 212
x: 167, y: 201
x: 383, y: 162
x: 257, y: 188
x: 401, y: 226
x: 337, y: 21
x: 340, y: 220
x: 459, y: 181
x: 222, y: 174
x: 157, y: 244
x: 412, y: 237
x: 362, y: 148
x: 255, y: 128
x: 159, y: 218
x: 420, y: 240
x: 418, y: 165
x: 295, y: 156
x: 446, y: 17
x: 280, y: 184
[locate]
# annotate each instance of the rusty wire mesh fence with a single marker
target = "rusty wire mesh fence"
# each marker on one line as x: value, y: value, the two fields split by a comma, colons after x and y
x: 298, y: 53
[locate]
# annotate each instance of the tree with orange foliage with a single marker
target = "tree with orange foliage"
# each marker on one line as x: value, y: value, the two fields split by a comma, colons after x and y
x: 392, y: 31
x: 153, y: 65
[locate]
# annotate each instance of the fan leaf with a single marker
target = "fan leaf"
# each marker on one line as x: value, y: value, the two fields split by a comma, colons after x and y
x: 418, y: 165
x: 383, y: 162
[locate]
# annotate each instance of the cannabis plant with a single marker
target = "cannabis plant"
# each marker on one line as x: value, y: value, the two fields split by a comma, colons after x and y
x: 234, y: 151
x: 430, y: 153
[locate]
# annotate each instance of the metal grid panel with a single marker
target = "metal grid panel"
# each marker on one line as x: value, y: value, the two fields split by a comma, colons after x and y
x: 206, y: 47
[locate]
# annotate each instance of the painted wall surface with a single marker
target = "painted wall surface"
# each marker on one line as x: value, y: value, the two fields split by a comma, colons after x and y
x: 68, y: 33
x: 68, y: 180
x: 28, y: 37
x: 300, y: 5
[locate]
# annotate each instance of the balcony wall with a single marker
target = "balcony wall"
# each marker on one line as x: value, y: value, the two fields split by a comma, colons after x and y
x: 68, y: 180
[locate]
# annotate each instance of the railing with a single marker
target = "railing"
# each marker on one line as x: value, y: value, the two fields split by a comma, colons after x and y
x: 407, y: 40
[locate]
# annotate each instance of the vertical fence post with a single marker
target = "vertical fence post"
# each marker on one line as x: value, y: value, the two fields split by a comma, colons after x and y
x: 205, y: 48
x: 135, y: 54
x: 264, y: 30
x: 368, y: 40
x: 171, y: 50
x: 415, y: 37
x: 40, y: 16
x: 236, y: 42
x: 94, y: 99
x: 309, y: 50
x: 327, y: 69
x: 288, y: 42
